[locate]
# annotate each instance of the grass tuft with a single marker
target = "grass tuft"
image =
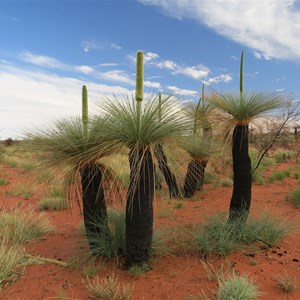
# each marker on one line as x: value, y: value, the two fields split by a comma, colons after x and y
x: 20, y: 226
x: 237, y: 288
x: 109, y: 288
x: 53, y: 203
x: 10, y: 258
x: 220, y: 237
x: 286, y: 282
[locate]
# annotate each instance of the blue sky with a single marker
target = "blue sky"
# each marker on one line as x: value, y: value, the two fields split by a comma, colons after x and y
x: 49, y: 49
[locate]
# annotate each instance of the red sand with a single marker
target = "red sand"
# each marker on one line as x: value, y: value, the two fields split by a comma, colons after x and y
x: 174, y: 276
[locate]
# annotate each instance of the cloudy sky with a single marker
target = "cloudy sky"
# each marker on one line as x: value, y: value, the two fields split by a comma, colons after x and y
x: 49, y: 49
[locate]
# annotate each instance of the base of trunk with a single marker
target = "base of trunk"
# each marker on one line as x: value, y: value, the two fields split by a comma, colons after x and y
x: 139, y: 209
x: 191, y: 179
x: 94, y: 206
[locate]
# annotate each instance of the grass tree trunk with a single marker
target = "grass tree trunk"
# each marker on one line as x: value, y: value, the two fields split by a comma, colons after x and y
x: 241, y: 195
x: 200, y: 183
x: 94, y: 206
x: 164, y: 168
x: 139, y: 209
x: 192, y: 178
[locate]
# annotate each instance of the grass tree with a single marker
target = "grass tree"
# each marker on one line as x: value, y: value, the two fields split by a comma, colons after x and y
x: 197, y: 145
x: 139, y: 126
x: 241, y: 109
x: 74, y: 146
x: 163, y: 164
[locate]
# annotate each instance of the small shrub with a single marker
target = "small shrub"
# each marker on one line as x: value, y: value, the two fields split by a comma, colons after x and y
x: 20, y: 226
x: 226, y: 182
x: 90, y: 270
x: 216, y: 235
x: 109, y: 288
x: 209, y: 177
x: 295, y: 198
x: 281, y: 157
x: 3, y: 181
x: 53, y: 204
x: 286, y: 282
x: 237, y: 288
x: 139, y: 270
x: 22, y: 190
x: 27, y: 167
x: 279, y: 175
x: 10, y: 258
x: 112, y: 244
x: 179, y: 205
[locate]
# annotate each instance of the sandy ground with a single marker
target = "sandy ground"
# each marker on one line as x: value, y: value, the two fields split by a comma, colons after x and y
x: 179, y: 275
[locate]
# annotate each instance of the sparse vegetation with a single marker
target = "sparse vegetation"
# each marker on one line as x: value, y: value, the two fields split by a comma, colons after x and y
x: 20, y: 226
x: 10, y: 259
x: 216, y: 235
x: 237, y: 288
x: 109, y: 288
x: 53, y: 203
x: 286, y: 282
x: 294, y: 198
x: 22, y: 190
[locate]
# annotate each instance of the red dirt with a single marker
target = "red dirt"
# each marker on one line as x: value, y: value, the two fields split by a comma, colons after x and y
x: 174, y: 276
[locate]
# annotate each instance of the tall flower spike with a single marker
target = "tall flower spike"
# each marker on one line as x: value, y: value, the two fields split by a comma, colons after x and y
x: 85, y: 116
x: 139, y: 90
x: 242, y: 74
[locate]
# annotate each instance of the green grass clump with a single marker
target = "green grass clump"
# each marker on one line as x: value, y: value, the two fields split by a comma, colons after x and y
x: 53, y: 203
x: 295, y: 198
x: 226, y: 182
x: 279, y: 175
x: 3, y: 181
x: 209, y: 177
x: 139, y: 270
x: 237, y: 288
x: 112, y: 244
x: 109, y: 288
x: 216, y: 235
x: 22, y: 190
x: 281, y: 157
x: 10, y: 258
x: 20, y: 226
x: 27, y: 167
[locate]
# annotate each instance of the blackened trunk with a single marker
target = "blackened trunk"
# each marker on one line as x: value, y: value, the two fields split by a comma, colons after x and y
x: 139, y: 209
x: 242, y: 178
x: 164, y: 168
x: 94, y: 206
x: 200, y: 183
x: 191, y: 178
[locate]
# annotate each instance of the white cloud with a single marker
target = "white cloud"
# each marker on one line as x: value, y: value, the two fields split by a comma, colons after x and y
x: 152, y: 84
x: 108, y: 65
x: 221, y: 78
x: 115, y: 46
x: 41, y: 60
x: 181, y: 92
x: 195, y: 72
x: 149, y: 56
x: 117, y: 75
x: 271, y: 28
x: 89, y: 45
x: 85, y: 69
x: 36, y: 97
x: 280, y: 90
